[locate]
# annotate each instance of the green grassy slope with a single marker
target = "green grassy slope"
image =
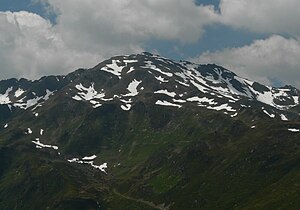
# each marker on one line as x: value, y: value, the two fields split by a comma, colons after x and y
x: 157, y: 157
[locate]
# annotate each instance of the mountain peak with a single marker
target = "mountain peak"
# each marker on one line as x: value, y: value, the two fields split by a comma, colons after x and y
x: 145, y: 126
x: 131, y: 78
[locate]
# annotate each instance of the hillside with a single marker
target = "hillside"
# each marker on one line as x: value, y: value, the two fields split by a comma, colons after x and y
x: 146, y: 132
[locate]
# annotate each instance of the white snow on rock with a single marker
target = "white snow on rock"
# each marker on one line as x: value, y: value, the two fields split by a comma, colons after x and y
x: 132, y: 88
x: 89, y: 157
x: 182, y: 83
x: 48, y: 94
x: 130, y: 61
x: 37, y: 101
x: 113, y: 68
x: 19, y: 92
x: 234, y: 115
x: 126, y: 101
x: 40, y: 145
x: 101, y: 167
x: 97, y: 105
x: 41, y: 132
x: 151, y: 66
x: 77, y: 98
x: 93, y: 102
x: 166, y: 103
x: 89, y: 94
x: 73, y: 160
x: 295, y: 130
x: 161, y: 79
x: 126, y: 107
x: 4, y: 98
x: 179, y: 100
x: 202, y: 100
x: 29, y: 131
x: 222, y: 107
x: 296, y: 99
x: 267, y: 113
x: 271, y: 94
x: 166, y: 92
x: 283, y: 117
x: 9, y: 106
x: 265, y: 97
x: 29, y: 103
x: 130, y: 70
x: 200, y: 87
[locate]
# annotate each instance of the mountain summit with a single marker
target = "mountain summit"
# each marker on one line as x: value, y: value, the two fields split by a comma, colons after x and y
x: 128, y: 79
x: 145, y: 132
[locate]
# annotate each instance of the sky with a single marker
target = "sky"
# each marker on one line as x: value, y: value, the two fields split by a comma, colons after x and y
x: 256, y: 39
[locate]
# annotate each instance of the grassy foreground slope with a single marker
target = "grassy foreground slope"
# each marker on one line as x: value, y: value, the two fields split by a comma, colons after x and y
x: 158, y: 158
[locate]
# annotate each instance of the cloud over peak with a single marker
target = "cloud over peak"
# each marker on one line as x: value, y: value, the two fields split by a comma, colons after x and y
x: 86, y: 32
x: 30, y: 47
x: 267, y: 16
x: 264, y: 60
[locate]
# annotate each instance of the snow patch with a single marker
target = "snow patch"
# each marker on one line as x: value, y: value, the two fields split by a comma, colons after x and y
x: 161, y: 79
x: 166, y: 92
x: 130, y: 70
x: 166, y: 103
x: 89, y: 157
x: 40, y: 145
x: 89, y: 94
x: 151, y: 66
x: 201, y: 100
x: 126, y: 107
x: 283, y: 117
x: 222, y: 107
x: 267, y: 113
x: 234, y: 115
x: 29, y: 131
x: 179, y: 101
x: 4, y: 98
x: 90, y: 162
x: 130, y: 61
x: 295, y: 130
x: 132, y: 88
x: 19, y: 92
x: 41, y: 132
x: 113, y: 68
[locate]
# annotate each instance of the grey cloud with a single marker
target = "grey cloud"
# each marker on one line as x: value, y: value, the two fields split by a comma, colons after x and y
x: 29, y: 47
x: 267, y: 16
x: 88, y: 31
x: 264, y: 60
x: 131, y: 20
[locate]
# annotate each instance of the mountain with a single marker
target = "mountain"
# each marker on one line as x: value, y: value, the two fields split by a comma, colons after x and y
x: 146, y: 132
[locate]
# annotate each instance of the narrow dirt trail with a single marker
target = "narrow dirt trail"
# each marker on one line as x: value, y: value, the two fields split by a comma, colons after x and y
x: 148, y: 203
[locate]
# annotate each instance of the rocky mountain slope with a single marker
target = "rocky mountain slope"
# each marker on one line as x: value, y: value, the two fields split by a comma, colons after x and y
x: 146, y: 132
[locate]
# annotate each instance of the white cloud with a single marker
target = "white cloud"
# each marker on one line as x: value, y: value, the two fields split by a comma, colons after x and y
x: 128, y: 20
x: 263, y: 60
x: 266, y: 16
x: 29, y: 47
x: 88, y: 31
